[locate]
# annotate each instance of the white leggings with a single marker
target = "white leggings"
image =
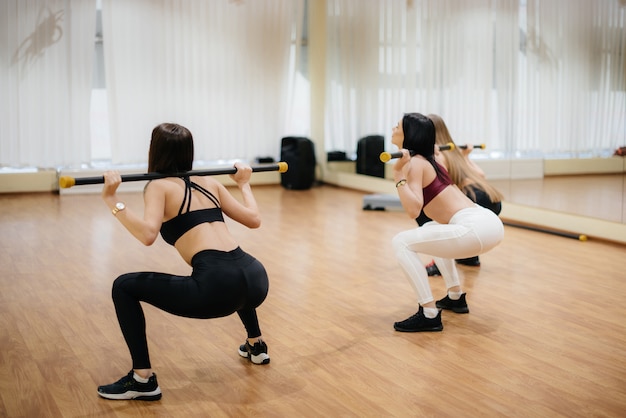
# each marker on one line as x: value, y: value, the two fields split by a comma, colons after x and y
x: 471, y: 231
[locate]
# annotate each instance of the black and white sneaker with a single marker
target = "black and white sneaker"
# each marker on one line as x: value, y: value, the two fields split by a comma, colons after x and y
x: 256, y: 353
x: 128, y: 388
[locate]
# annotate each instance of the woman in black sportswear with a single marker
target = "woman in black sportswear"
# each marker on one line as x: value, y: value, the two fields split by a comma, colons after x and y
x: 188, y: 213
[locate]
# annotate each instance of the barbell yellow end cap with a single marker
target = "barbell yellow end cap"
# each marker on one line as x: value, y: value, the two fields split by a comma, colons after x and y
x: 385, y: 156
x: 582, y: 237
x: 283, y: 167
x: 65, y: 182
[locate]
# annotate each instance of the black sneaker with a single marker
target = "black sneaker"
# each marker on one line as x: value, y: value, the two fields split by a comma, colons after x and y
x: 419, y: 323
x: 128, y: 388
x: 457, y: 306
x: 256, y: 353
x: 472, y: 261
x: 432, y: 269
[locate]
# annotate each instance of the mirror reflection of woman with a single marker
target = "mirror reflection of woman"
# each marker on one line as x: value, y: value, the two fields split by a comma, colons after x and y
x: 460, y: 228
x: 468, y: 176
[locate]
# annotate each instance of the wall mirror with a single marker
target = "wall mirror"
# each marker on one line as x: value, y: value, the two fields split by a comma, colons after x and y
x: 565, y: 115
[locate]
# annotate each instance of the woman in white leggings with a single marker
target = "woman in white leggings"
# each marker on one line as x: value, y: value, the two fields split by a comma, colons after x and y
x: 459, y: 228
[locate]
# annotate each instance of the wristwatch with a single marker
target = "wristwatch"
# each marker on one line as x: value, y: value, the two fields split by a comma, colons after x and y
x: 118, y: 207
x: 401, y: 183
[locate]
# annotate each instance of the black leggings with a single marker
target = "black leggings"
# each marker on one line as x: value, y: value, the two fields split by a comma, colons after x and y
x: 220, y: 284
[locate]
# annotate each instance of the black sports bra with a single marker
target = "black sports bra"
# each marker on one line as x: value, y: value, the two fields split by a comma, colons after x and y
x: 176, y: 227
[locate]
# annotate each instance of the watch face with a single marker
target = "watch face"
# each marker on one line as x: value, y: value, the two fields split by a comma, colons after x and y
x: 120, y: 206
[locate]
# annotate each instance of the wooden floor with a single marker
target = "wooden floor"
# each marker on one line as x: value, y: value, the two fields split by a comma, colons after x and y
x: 546, y: 336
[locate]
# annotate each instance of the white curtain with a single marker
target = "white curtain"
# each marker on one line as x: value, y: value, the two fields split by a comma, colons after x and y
x: 46, y: 60
x: 543, y: 78
x: 222, y: 68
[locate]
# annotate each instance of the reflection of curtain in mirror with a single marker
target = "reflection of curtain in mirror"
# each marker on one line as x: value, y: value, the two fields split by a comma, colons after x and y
x: 386, y: 58
x: 477, y: 64
x: 46, y: 59
x: 572, y: 99
x: 354, y: 103
x: 221, y: 68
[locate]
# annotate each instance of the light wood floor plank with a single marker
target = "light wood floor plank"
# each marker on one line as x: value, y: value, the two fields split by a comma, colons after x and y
x: 546, y: 333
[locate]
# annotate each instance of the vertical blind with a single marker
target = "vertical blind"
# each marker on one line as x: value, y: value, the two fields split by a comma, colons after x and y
x: 529, y: 78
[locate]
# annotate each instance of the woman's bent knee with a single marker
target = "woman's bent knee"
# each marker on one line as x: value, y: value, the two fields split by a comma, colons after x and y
x: 398, y: 243
x: 119, y: 283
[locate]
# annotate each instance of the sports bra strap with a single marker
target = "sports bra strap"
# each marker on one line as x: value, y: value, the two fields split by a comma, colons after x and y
x: 187, y: 198
x: 206, y: 193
